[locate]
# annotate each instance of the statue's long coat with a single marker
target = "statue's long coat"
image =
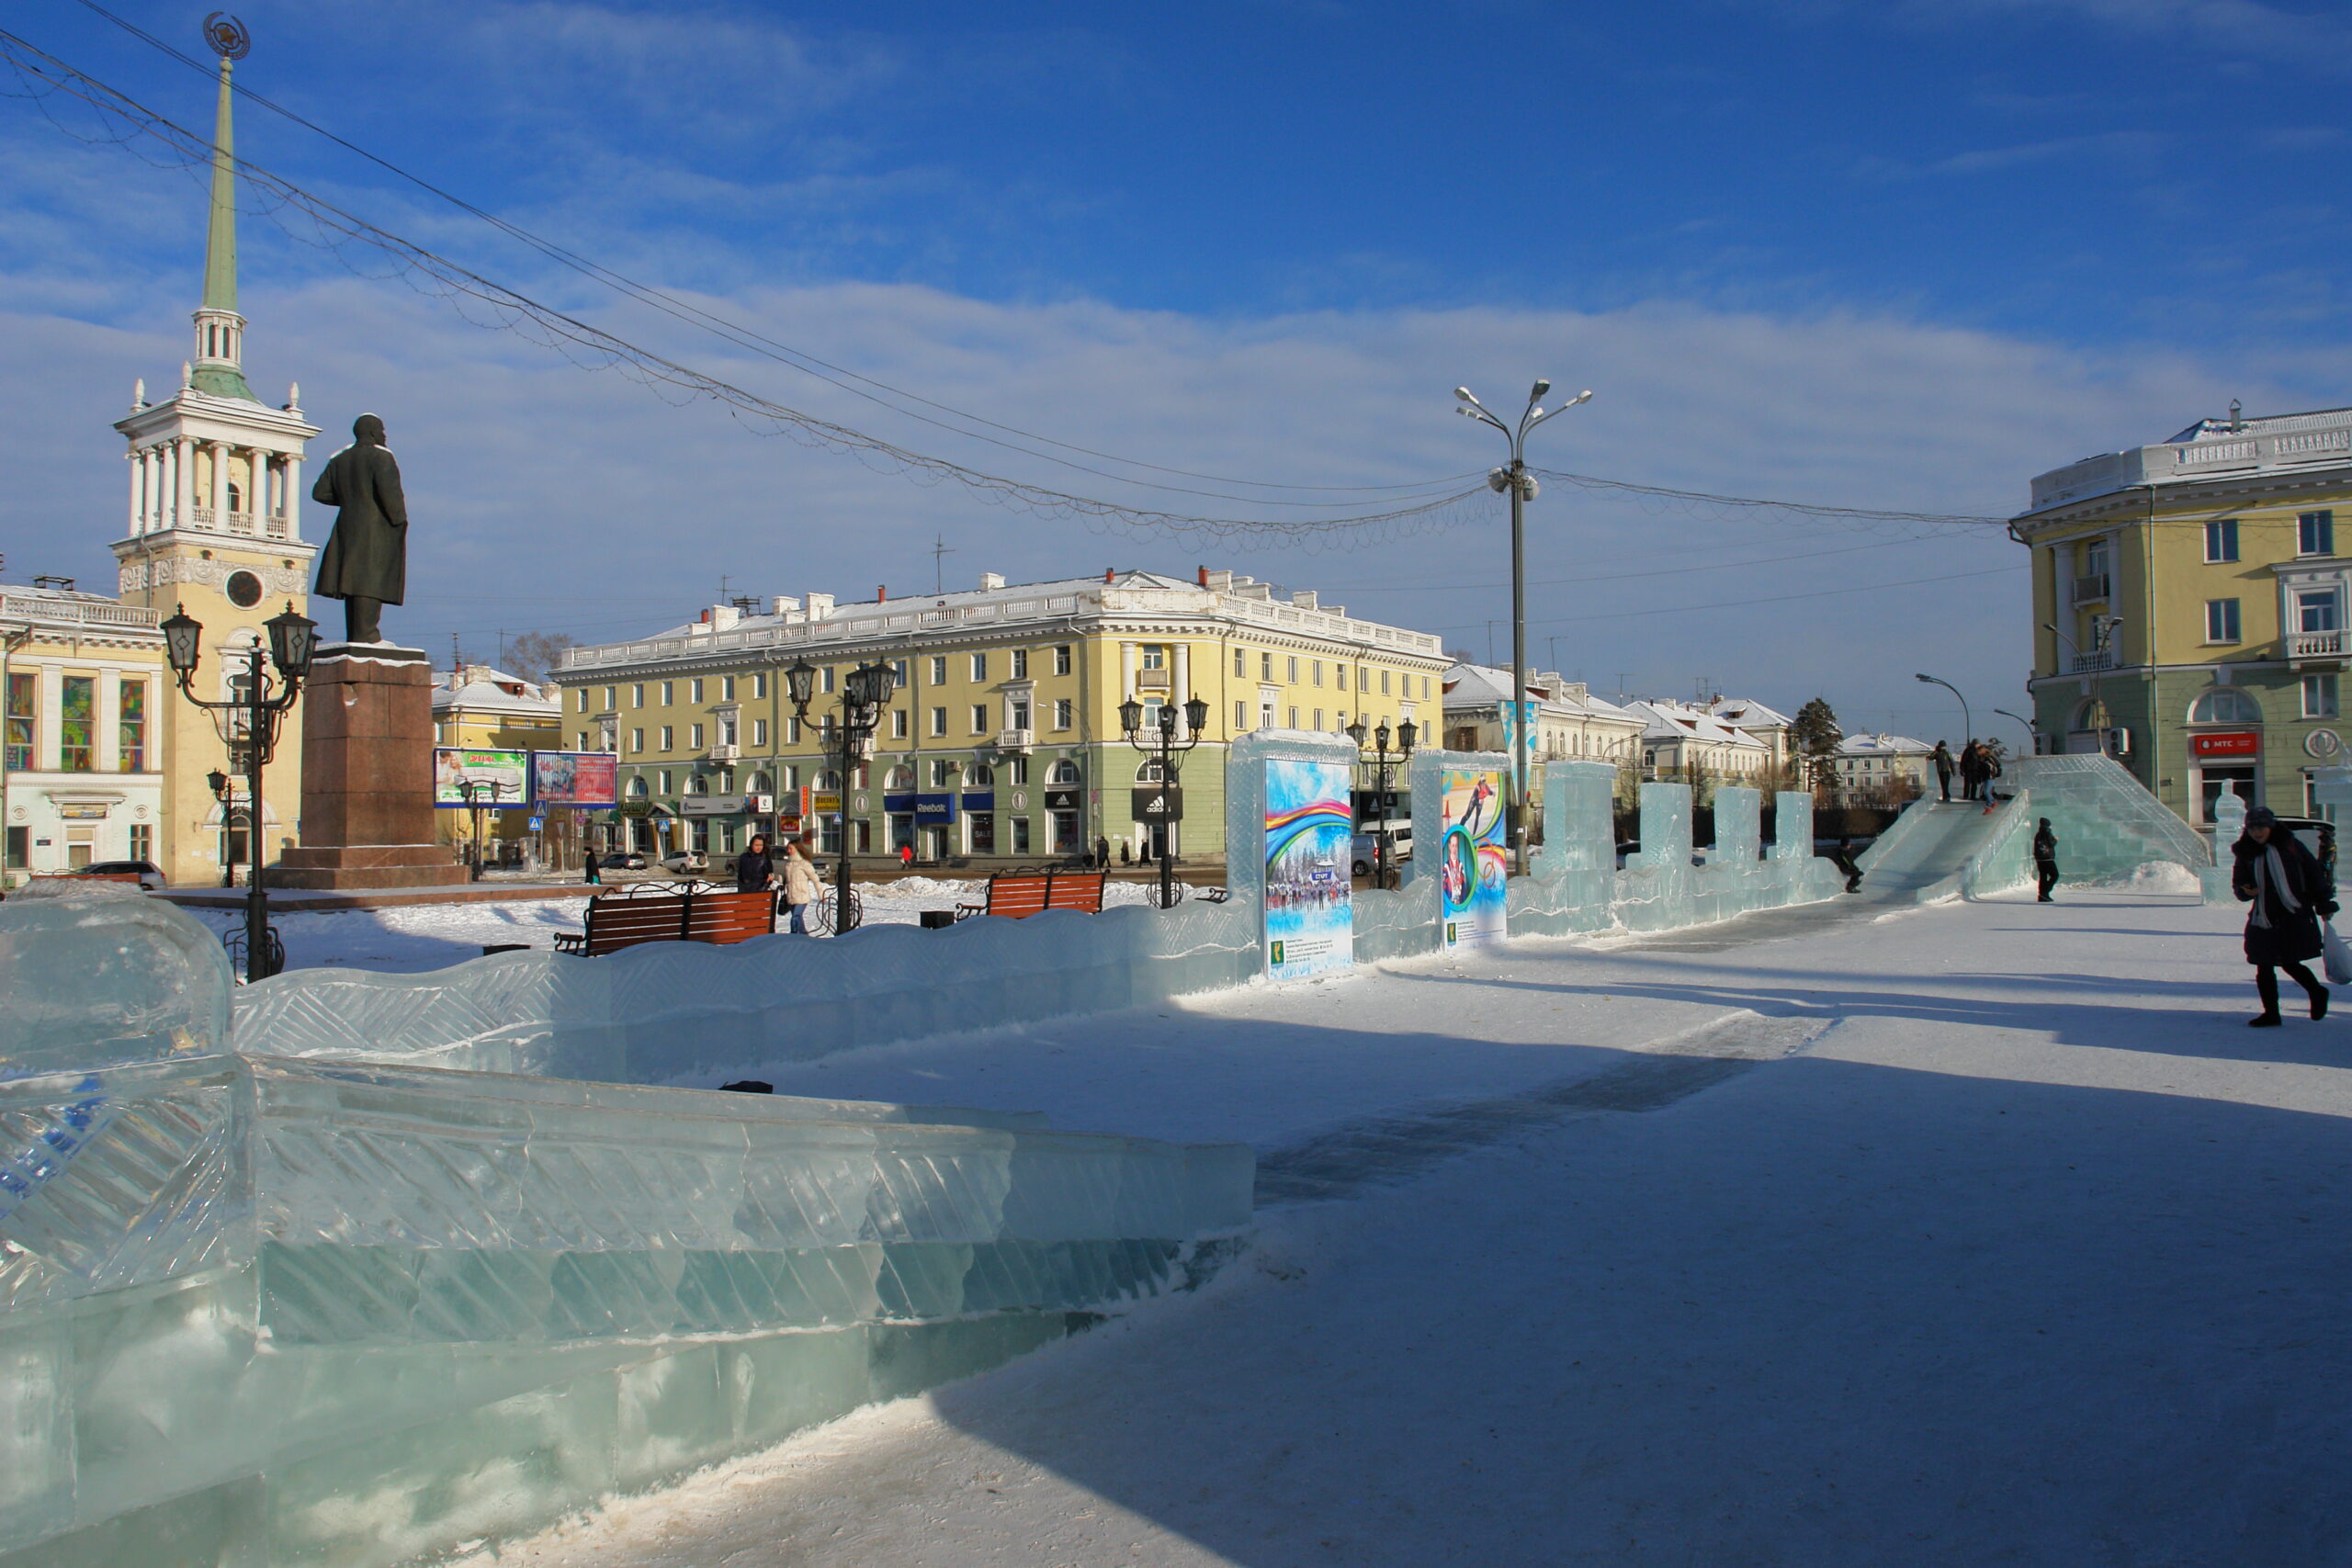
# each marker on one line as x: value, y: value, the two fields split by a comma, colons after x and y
x: 366, y: 555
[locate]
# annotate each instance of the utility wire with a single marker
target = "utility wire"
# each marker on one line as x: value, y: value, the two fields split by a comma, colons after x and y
x: 1734, y: 604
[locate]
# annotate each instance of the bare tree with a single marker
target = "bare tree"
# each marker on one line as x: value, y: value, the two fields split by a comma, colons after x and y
x: 534, y: 654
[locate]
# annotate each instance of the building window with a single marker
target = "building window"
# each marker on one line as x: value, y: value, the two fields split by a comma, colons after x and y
x: 939, y: 721
x: 1020, y: 835
x: 760, y: 686
x: 2221, y: 705
x: 693, y: 736
x: 668, y: 781
x: 1016, y: 770
x: 1293, y: 718
x: 637, y: 696
x: 1318, y: 718
x: 939, y: 671
x: 1319, y: 674
x: 2221, y: 620
x: 792, y: 730
x: 727, y: 688
x: 2315, y: 533
x: 612, y: 698
x: 1062, y: 713
x: 2315, y: 611
x: 1064, y: 772
x: 825, y: 679
x: 1265, y: 715
x: 759, y: 732
x: 729, y: 733
x: 1021, y: 664
x: 979, y: 718
x: 669, y: 738
x: 635, y: 741
x: 2319, y: 696
x: 2221, y: 539
x: 900, y: 722
x: 938, y: 766
x: 898, y: 674
x: 694, y: 690
x: 1061, y: 658
x: 23, y: 724
x: 77, y: 728
x: 130, y: 728
x: 1265, y: 666
x: 142, y: 841
x: 1016, y: 713
x: 1292, y: 666
x: 1240, y: 665
x: 669, y: 693
x: 980, y: 667
x: 1383, y: 682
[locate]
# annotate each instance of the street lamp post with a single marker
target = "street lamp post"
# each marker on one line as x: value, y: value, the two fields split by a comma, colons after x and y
x: 249, y: 722
x: 864, y: 690
x: 1165, y: 746
x: 1520, y: 485
x: 219, y: 782
x: 2021, y: 719
x: 472, y: 791
x: 1966, y: 722
x: 1381, y: 763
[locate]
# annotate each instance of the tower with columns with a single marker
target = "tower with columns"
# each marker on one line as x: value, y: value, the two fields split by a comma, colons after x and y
x: 214, y: 522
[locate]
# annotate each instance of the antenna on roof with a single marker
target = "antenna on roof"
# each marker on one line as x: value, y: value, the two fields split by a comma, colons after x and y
x: 940, y: 551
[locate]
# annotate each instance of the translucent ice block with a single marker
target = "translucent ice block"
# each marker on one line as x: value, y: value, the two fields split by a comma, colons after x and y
x: 279, y: 1312
x: 96, y: 973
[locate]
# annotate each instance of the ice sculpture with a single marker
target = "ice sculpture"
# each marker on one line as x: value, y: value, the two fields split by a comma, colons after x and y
x: 1575, y: 870
x: 97, y: 972
x: 273, y: 1313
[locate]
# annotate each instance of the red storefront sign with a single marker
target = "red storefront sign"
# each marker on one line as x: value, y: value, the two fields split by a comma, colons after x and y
x: 2230, y: 743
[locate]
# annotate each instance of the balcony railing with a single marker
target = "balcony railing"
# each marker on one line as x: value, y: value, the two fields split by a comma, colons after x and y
x: 725, y: 752
x: 1155, y: 680
x: 1015, y: 739
x: 2315, y: 645
x: 2091, y: 588
x: 273, y: 525
x: 2092, y: 663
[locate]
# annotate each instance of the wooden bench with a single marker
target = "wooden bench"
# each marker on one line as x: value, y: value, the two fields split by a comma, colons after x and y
x: 655, y: 911
x: 1016, y: 895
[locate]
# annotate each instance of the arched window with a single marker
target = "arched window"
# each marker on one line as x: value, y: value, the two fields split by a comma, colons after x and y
x: 830, y: 781
x: 979, y: 775
x: 1064, y: 772
x: 1148, y: 773
x: 761, y: 784
x: 636, y: 788
x: 902, y: 777
x: 698, y: 786
x: 2225, y: 704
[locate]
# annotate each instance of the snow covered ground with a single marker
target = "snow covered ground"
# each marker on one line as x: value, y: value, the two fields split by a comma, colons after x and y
x: 1973, y: 1234
x: 407, y: 939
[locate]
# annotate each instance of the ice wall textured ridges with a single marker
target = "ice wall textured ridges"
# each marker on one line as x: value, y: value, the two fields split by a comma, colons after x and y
x: 100, y: 973
x: 263, y: 1290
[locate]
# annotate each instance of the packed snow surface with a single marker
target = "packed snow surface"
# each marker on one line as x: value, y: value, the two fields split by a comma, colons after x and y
x: 1982, y: 1233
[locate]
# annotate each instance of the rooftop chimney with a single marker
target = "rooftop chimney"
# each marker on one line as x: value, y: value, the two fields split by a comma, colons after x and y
x: 819, y: 607
x: 881, y: 593
x: 1203, y: 577
x: 1110, y: 572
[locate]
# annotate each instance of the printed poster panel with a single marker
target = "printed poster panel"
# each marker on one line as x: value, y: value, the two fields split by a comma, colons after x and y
x: 575, y: 778
x: 1472, y: 860
x: 499, y: 778
x: 1310, y: 924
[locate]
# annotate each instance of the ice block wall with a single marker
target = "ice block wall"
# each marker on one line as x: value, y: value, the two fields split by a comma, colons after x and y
x: 1654, y: 890
x: 97, y: 972
x: 2107, y: 822
x: 276, y: 1313
x: 692, y: 1013
x: 1573, y: 873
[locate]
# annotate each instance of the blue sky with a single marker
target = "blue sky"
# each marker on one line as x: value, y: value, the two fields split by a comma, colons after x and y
x: 1902, y: 254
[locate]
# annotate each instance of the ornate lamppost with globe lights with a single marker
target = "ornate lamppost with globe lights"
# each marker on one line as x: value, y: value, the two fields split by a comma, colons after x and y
x: 249, y: 722
x: 1163, y: 744
x: 864, y: 690
x: 1381, y: 762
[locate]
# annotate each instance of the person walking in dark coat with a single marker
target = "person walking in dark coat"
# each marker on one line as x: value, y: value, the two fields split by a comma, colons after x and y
x: 2291, y: 894
x: 595, y: 871
x: 1971, y: 770
x: 2045, y: 861
x: 1102, y: 854
x: 1941, y: 757
x: 754, y: 872
x: 365, y: 561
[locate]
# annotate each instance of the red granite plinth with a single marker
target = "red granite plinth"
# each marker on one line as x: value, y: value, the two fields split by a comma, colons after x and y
x: 368, y: 775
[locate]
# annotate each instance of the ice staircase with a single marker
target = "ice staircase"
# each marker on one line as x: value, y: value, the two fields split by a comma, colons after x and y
x: 1930, y: 844
x: 2107, y: 822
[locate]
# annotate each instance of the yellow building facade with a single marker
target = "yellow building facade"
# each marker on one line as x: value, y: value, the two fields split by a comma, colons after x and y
x: 1002, y: 739
x: 2189, y: 602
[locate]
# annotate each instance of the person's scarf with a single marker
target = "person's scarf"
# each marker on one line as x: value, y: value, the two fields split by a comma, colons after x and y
x: 2270, y: 877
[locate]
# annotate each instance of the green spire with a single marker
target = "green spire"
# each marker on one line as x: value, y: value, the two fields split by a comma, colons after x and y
x: 221, y: 260
x: 220, y: 244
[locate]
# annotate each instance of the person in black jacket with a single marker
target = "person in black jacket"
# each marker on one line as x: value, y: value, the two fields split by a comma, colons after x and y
x: 2046, y: 860
x: 754, y: 872
x: 1941, y: 757
x: 2291, y: 894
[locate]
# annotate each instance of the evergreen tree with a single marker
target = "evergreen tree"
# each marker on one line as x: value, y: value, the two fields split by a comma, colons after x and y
x: 1816, y: 736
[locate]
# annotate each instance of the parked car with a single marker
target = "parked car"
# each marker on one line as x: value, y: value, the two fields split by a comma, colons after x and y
x: 621, y: 860
x: 150, y: 874
x: 682, y: 863
x: 1364, y: 851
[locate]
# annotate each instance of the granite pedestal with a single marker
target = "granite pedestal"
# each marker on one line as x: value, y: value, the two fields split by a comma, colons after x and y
x: 368, y: 775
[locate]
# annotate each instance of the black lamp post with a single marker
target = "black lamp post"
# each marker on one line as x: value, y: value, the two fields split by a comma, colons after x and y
x: 471, y: 792
x: 1163, y: 744
x: 1381, y: 763
x: 863, y: 692
x: 219, y: 782
x: 249, y: 722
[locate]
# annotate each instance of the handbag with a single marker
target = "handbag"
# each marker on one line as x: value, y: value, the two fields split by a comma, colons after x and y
x: 2335, y: 954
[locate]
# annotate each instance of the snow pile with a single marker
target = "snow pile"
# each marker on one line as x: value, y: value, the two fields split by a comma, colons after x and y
x: 2155, y: 877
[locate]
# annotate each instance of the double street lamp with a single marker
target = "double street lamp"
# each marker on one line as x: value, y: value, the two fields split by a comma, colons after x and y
x: 1159, y: 740
x: 1520, y: 485
x: 249, y: 720
x: 472, y: 792
x: 864, y: 690
x: 1381, y: 763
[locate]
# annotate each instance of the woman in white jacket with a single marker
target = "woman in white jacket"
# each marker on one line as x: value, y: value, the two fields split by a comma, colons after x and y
x: 800, y: 886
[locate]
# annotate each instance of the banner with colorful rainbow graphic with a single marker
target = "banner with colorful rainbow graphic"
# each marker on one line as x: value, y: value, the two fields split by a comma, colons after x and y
x: 1473, y: 861
x: 1310, y: 923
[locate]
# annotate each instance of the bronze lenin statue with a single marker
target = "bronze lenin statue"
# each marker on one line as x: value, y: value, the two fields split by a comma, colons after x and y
x: 365, y: 561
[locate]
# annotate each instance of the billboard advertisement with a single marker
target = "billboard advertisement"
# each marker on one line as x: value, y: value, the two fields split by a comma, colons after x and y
x: 1472, y: 860
x: 500, y: 779
x: 1310, y: 923
x: 575, y: 778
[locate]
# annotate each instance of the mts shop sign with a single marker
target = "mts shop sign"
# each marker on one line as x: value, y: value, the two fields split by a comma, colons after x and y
x: 2226, y: 743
